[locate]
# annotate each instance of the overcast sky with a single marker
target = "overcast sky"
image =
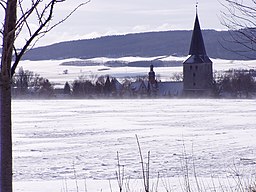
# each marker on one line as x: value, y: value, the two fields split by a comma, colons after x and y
x: 107, y: 17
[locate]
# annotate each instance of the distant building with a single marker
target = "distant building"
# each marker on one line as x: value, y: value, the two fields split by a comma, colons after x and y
x: 152, y: 83
x: 197, y: 69
x: 138, y: 89
x: 163, y: 89
x: 117, y: 88
x: 170, y: 89
x: 197, y: 72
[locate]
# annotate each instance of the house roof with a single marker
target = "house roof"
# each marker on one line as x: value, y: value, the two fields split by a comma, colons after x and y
x: 197, y: 50
x: 117, y: 84
x: 170, y: 88
x: 138, y: 85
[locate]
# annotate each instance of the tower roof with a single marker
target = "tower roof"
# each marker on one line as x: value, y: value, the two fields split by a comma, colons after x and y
x: 197, y: 50
x: 197, y: 42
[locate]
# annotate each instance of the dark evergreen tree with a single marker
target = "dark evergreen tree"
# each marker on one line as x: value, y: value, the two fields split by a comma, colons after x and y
x: 84, y: 88
x: 113, y: 87
x: 76, y: 89
x: 67, y: 89
x: 107, y: 87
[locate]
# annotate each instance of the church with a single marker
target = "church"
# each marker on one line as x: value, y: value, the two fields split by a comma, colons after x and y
x: 197, y: 68
x: 197, y: 72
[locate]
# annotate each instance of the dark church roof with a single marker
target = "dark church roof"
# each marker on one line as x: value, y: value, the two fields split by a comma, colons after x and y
x: 197, y: 50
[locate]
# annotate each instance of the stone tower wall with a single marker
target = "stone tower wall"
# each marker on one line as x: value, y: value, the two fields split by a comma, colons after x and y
x: 197, y: 76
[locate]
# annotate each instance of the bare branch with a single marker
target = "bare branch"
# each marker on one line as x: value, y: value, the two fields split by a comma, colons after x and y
x: 25, y: 20
x: 69, y: 15
x: 15, y: 51
x: 3, y: 4
x: 27, y: 14
x: 234, y: 40
x: 38, y: 14
x: 240, y: 19
x: 44, y: 18
x: 29, y: 41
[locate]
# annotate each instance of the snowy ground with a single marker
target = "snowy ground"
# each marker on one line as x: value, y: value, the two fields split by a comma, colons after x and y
x: 57, y: 142
x: 54, y: 71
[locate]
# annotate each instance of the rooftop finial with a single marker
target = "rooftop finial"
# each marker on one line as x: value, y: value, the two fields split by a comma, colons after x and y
x: 196, y: 6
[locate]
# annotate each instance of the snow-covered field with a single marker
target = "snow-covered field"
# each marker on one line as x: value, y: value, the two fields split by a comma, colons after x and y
x: 54, y: 71
x: 59, y: 142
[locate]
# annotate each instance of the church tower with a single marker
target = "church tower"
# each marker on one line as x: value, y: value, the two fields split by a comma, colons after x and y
x: 197, y: 68
x: 152, y: 83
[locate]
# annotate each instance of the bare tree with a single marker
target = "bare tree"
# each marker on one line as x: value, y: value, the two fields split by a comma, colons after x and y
x: 239, y: 17
x: 16, y: 20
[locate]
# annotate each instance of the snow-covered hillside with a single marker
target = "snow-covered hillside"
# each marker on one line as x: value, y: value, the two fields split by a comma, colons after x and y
x: 59, y: 74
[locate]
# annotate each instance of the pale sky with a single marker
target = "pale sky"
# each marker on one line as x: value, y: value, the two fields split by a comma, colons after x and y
x: 108, y: 17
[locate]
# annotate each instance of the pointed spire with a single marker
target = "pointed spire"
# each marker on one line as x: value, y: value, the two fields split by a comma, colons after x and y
x: 196, y: 6
x: 197, y: 42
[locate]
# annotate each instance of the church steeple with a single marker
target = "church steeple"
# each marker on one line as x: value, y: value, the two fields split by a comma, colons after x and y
x: 197, y: 50
x: 197, y: 68
x: 197, y: 42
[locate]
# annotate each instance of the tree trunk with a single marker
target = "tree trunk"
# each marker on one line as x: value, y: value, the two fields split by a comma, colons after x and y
x: 8, y: 68
x: 5, y: 97
x: 6, y: 136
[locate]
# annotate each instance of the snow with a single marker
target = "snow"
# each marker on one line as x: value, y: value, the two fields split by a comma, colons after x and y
x: 54, y: 139
x: 124, y: 59
x: 61, y: 142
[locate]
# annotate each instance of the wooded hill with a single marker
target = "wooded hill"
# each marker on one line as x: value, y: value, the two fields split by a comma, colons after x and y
x: 218, y: 45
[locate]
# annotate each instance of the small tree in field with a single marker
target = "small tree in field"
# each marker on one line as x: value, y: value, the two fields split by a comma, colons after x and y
x: 17, y: 15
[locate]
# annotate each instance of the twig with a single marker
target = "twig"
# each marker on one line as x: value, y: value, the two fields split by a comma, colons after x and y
x: 145, y: 174
x: 120, y: 174
x: 194, y: 169
x: 110, y: 186
x: 157, y: 181
x: 77, y: 190
x: 186, y: 169
x: 148, y: 171
x: 85, y: 185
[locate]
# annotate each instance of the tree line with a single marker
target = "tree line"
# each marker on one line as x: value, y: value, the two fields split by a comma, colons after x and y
x: 235, y: 83
x: 25, y: 83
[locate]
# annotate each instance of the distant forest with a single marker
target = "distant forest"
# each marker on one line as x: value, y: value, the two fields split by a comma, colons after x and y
x: 218, y: 45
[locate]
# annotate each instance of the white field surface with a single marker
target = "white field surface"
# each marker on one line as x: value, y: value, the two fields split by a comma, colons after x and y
x: 65, y: 144
x: 52, y: 70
